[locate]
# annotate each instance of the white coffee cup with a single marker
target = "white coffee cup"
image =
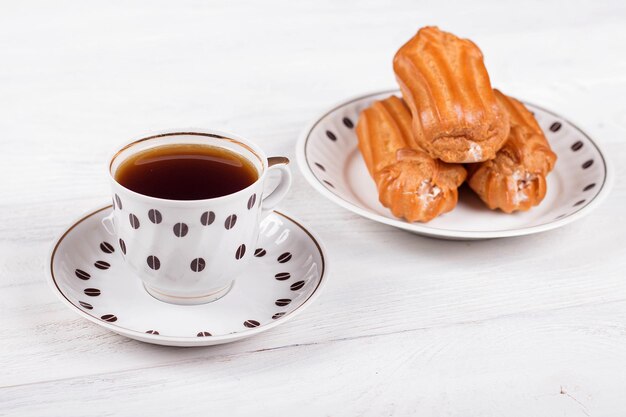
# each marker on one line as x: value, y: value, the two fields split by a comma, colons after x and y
x: 191, y: 251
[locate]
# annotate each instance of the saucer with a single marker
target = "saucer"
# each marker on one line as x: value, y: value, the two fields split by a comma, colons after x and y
x: 286, y: 274
x: 329, y: 158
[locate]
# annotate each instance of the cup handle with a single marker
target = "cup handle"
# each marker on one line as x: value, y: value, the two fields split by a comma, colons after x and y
x: 109, y: 224
x: 272, y: 199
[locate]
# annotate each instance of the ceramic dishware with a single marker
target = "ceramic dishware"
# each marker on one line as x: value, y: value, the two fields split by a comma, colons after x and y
x: 286, y: 272
x: 330, y: 160
x: 191, y: 251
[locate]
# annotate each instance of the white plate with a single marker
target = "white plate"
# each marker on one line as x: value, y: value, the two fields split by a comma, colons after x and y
x: 286, y: 274
x: 329, y: 158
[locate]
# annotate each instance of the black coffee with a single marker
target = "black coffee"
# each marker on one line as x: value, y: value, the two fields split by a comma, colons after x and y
x: 186, y: 172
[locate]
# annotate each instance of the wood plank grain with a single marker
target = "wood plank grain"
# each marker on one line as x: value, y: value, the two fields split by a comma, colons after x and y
x: 557, y: 363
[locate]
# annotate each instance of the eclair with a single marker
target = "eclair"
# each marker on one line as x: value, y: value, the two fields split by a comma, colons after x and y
x: 456, y: 116
x: 515, y: 180
x: 411, y: 183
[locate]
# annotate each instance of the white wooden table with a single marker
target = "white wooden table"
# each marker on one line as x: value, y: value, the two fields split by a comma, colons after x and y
x: 532, y: 326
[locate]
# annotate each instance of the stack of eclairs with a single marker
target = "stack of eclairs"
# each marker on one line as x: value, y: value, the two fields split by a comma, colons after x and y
x: 451, y: 127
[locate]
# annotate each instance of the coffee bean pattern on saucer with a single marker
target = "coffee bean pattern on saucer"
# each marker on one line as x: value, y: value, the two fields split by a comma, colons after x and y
x: 181, y: 229
x: 106, y: 247
x: 155, y: 216
x: 207, y: 218
x: 297, y: 285
x: 82, y: 274
x: 85, y: 305
x: 320, y: 166
x: 102, y: 265
x: 97, y: 262
x: 134, y: 221
x: 555, y: 127
x: 331, y: 135
x: 109, y: 317
x: 153, y: 262
x: 285, y: 257
x: 92, y: 292
x: 589, y: 187
x: 197, y: 265
x: 578, y: 203
x: 282, y: 276
x: 118, y: 201
x: 587, y: 164
x: 348, y: 123
x: 230, y: 221
x: 241, y: 251
x: 577, y: 146
x: 251, y: 201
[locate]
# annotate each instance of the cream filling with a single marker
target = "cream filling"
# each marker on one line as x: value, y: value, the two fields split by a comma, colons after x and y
x: 519, y: 181
x: 475, y: 152
x: 427, y: 192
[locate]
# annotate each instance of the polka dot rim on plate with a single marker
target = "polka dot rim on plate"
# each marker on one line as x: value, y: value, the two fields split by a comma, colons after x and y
x: 335, y: 169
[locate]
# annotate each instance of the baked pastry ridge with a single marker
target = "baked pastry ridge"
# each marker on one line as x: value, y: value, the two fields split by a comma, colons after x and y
x: 443, y: 79
x: 410, y: 183
x: 516, y: 178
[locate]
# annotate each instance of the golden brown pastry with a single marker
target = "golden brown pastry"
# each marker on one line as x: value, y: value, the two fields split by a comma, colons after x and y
x: 516, y: 178
x: 443, y: 79
x: 410, y: 183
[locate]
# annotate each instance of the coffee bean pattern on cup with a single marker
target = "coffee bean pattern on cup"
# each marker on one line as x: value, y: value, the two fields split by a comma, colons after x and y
x: 153, y: 262
x: 207, y: 218
x: 134, y: 221
x: 230, y: 221
x: 155, y: 216
x: 177, y: 190
x: 198, y: 264
x: 181, y: 229
x: 118, y: 201
x: 251, y: 201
